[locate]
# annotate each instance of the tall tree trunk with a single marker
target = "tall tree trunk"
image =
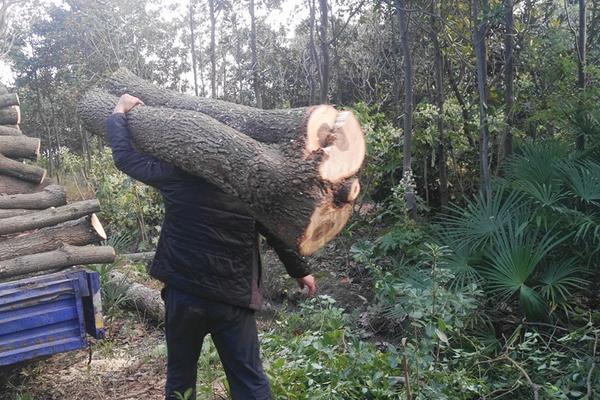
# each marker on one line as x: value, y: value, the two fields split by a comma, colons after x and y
x: 255, y: 65
x: 193, y: 47
x: 581, y: 63
x: 324, y: 67
x: 313, y: 52
x: 411, y: 202
x: 213, y: 50
x: 439, y: 101
x: 508, y: 75
x: 479, y: 32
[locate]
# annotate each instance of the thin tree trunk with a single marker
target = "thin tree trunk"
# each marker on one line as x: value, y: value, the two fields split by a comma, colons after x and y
x: 323, y: 6
x: 439, y: 100
x: 213, y: 50
x: 411, y: 202
x: 193, y: 47
x: 508, y: 76
x: 255, y: 64
x: 479, y: 32
x: 466, y: 117
x: 313, y: 53
x: 581, y: 63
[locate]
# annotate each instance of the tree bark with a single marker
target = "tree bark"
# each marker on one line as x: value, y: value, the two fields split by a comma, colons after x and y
x: 9, y: 99
x: 508, y: 75
x: 49, y: 217
x: 193, y: 47
x: 324, y: 44
x: 411, y: 202
x: 213, y: 49
x: 13, y: 212
x: 51, y: 196
x: 16, y: 169
x: 10, y: 115
x: 581, y: 63
x: 439, y: 101
x: 10, y: 130
x: 479, y: 33
x: 20, y: 147
x: 294, y: 198
x: 80, y: 232
x: 138, y: 257
x: 296, y: 131
x: 256, y: 82
x: 66, y: 256
x: 138, y: 297
x: 10, y: 185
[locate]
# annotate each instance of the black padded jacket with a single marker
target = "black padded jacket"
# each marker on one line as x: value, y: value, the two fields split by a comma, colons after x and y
x: 208, y: 243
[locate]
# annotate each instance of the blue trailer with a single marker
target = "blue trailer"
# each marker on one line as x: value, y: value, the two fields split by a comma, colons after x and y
x: 49, y: 314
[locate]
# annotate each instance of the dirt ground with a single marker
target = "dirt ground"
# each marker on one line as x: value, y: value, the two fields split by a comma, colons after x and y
x: 130, y: 362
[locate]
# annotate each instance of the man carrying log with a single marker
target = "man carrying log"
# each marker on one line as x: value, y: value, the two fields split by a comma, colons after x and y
x: 208, y: 258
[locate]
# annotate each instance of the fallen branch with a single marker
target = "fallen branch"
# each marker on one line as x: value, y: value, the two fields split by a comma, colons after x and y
x: 141, y: 298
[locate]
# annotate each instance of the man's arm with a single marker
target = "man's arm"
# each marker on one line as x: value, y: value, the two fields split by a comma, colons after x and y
x: 141, y: 167
x: 294, y: 264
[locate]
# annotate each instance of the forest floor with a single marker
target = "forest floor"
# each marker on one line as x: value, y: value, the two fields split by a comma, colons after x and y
x: 130, y: 362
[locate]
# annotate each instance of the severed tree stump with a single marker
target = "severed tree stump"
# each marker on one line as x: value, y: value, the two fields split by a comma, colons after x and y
x: 301, y: 192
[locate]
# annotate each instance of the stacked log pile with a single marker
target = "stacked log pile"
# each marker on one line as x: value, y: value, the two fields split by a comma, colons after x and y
x: 39, y: 231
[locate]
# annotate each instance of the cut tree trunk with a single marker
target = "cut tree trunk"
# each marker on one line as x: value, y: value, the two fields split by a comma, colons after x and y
x: 291, y: 196
x: 10, y: 130
x: 49, y: 217
x: 141, y: 298
x: 66, y: 256
x: 10, y: 115
x: 9, y: 99
x: 83, y: 231
x: 20, y: 147
x: 14, y: 212
x: 51, y: 196
x: 10, y: 185
x: 16, y: 169
x: 298, y: 131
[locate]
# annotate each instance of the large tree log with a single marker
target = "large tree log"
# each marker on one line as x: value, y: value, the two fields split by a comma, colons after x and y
x: 20, y: 147
x: 288, y: 195
x: 51, y: 196
x: 138, y: 297
x: 16, y: 169
x: 66, y: 256
x: 10, y: 185
x: 83, y: 231
x: 298, y: 131
x: 49, y: 217
x: 13, y: 212
x: 9, y: 99
x: 10, y: 115
x: 10, y: 130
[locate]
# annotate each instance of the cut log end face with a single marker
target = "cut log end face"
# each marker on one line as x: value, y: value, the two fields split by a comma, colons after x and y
x: 326, y: 222
x: 340, y: 137
x: 95, y: 222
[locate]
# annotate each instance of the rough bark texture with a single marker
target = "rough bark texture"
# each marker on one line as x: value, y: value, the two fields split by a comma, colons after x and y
x: 16, y: 169
x: 10, y: 185
x: 284, y: 193
x: 10, y: 116
x: 138, y: 257
x: 138, y: 297
x: 508, y: 75
x: 298, y: 132
x: 13, y: 212
x: 80, y: 232
x: 10, y: 130
x: 49, y: 217
x: 66, y: 256
x: 9, y: 99
x: 51, y: 196
x: 20, y: 147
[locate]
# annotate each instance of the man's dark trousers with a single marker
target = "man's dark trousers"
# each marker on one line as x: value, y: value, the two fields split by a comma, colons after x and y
x: 233, y: 329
